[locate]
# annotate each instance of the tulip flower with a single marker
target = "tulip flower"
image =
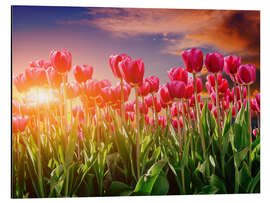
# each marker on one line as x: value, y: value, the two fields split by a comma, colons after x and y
x: 144, y: 89
x: 175, y: 123
x: 247, y: 74
x: 72, y: 89
x: 149, y: 101
x: 83, y: 73
x: 40, y: 64
x: 193, y: 60
x: 157, y: 105
x: 214, y: 62
x: 231, y: 64
x: 114, y: 61
x: 258, y: 99
x: 78, y: 111
x: 61, y: 60
x: 21, y: 83
x: 164, y: 94
x: 143, y: 108
x: 176, y: 89
x: 189, y: 90
x: 179, y: 74
x: 54, y: 78
x: 36, y: 76
x: 19, y: 123
x: 132, y: 71
x: 153, y: 82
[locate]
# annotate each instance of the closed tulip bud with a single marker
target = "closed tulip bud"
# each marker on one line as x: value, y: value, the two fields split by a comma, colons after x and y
x: 179, y: 74
x: 211, y: 79
x: 210, y: 106
x: 247, y: 74
x: 61, y: 60
x: 176, y: 89
x: 254, y: 106
x: 92, y: 88
x: 83, y: 73
x: 162, y: 121
x: 132, y: 71
x: 21, y: 83
x: 146, y: 118
x: 54, y: 78
x: 72, y: 89
x: 189, y: 91
x: 199, y: 84
x: 174, y: 110
x: 143, y: 108
x: 157, y: 105
x: 144, y: 89
x: 129, y: 107
x: 231, y: 64
x: 164, y: 94
x: 214, y: 62
x: 175, y: 123
x: 36, y: 76
x: 149, y: 101
x: 255, y: 132
x: 153, y: 82
x: 163, y: 105
x: 192, y: 100
x: 222, y: 88
x: 114, y: 61
x: 193, y: 60
x: 19, y: 123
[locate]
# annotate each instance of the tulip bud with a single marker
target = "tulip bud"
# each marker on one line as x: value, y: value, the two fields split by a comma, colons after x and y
x: 61, y: 60
x: 214, y: 62
x: 247, y: 74
x: 83, y: 73
x: 193, y: 60
x: 231, y: 64
x: 179, y: 74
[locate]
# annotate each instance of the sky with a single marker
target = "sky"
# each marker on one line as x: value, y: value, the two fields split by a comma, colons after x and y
x: 157, y: 36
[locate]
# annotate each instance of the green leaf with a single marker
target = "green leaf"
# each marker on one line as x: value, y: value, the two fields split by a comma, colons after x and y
x: 118, y: 188
x: 161, y: 186
x: 147, y: 181
x: 240, y: 156
x: 217, y: 183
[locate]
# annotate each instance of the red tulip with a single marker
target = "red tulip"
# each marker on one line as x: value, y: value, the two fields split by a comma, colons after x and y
x: 175, y: 123
x: 214, y: 62
x: 164, y: 94
x: 179, y: 74
x: 199, y: 84
x: 143, y: 108
x: 193, y: 60
x: 129, y: 107
x: 210, y: 106
x: 40, y: 64
x: 231, y: 64
x: 189, y: 90
x: 72, y: 89
x: 247, y: 74
x: 162, y: 121
x: 157, y: 104
x: 104, y: 83
x: 222, y: 89
x: 192, y: 100
x: 61, y: 60
x: 132, y: 71
x: 114, y: 61
x: 54, y: 78
x: 19, y: 123
x: 21, y: 83
x: 36, y: 76
x: 92, y: 88
x: 153, y: 82
x: 176, y: 89
x: 130, y: 115
x: 174, y: 110
x: 107, y: 94
x: 144, y: 89
x: 148, y: 100
x: 83, y: 73
x: 255, y: 132
x: 258, y: 98
x: 211, y: 79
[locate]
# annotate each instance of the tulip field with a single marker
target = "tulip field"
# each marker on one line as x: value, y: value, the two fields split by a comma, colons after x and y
x: 198, y: 133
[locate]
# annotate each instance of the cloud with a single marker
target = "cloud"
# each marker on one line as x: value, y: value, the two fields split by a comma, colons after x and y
x: 230, y: 31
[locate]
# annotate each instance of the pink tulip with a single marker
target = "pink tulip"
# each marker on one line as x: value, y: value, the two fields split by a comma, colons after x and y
x: 175, y: 123
x: 193, y: 60
x: 157, y: 104
x: 144, y: 89
x: 114, y: 61
x: 83, y: 73
x: 247, y: 74
x: 164, y: 94
x: 149, y: 101
x: 129, y: 107
x: 36, y: 76
x: 153, y: 82
x: 179, y: 74
x: 214, y: 62
x: 78, y: 111
x: 21, y: 83
x: 54, y: 78
x: 143, y: 108
x: 132, y: 71
x: 176, y: 89
x: 72, y: 89
x: 231, y: 64
x: 40, y: 64
x: 92, y: 88
x: 19, y: 123
x: 258, y: 98
x: 61, y: 60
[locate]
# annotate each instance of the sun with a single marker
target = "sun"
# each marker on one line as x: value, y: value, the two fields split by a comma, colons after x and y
x: 41, y: 96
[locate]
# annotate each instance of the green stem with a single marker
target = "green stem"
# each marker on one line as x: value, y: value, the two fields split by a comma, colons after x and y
x: 250, y: 131
x: 184, y: 121
x: 199, y: 122
x: 122, y: 102
x: 218, y: 123
x: 138, y: 132
x: 179, y: 131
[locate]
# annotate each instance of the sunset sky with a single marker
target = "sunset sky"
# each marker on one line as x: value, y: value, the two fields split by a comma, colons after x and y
x: 157, y: 36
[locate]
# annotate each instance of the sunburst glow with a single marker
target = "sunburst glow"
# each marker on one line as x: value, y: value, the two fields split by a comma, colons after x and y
x: 41, y: 95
